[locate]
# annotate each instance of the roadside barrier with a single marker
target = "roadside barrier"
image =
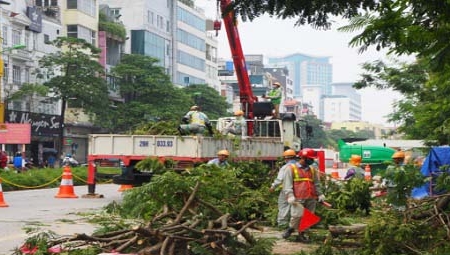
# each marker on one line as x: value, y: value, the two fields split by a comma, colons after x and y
x: 124, y: 187
x: 367, y: 173
x: 334, y: 171
x: 2, y: 200
x: 66, y: 189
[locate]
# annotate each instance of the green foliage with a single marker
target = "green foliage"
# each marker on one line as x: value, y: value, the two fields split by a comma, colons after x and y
x: 351, y: 196
x: 39, y: 178
x: 209, y: 100
x: 403, y: 180
x: 111, y: 27
x: 73, y: 72
x: 157, y: 128
x: 390, y: 233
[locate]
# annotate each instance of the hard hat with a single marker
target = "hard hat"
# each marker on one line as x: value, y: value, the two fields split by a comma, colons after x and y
x: 398, y: 154
x: 308, y: 153
x: 223, y: 153
x: 276, y: 84
x: 238, y: 113
x: 194, y: 107
x: 290, y: 153
x: 355, y: 159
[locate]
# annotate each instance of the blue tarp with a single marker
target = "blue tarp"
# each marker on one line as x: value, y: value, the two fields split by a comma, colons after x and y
x: 436, y: 158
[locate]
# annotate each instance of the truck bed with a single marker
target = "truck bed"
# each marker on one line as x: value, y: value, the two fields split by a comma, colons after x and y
x: 177, y: 147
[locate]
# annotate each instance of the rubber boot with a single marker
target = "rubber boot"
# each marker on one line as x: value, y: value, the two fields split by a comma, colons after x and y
x: 302, y: 238
x: 287, y: 233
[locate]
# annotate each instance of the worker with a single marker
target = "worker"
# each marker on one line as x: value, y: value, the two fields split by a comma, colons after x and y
x: 395, y: 196
x: 221, y: 160
x: 238, y: 126
x: 195, y: 122
x: 275, y: 97
x: 301, y: 187
x: 283, y: 206
x: 354, y: 169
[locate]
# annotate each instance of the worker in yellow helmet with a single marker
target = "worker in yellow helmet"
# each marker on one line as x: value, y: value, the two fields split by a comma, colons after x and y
x: 237, y: 126
x: 195, y: 122
x: 354, y: 169
x: 221, y: 160
x: 283, y: 206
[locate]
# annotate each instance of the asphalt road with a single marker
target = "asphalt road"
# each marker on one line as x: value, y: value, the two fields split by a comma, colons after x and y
x: 40, y: 208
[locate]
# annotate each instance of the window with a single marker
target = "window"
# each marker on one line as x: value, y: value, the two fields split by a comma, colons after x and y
x: 16, y: 75
x: 16, y: 36
x: 27, y: 40
x: 27, y: 75
x: 5, y: 73
x: 150, y: 17
x: 72, y: 31
x: 5, y: 35
x: 71, y: 4
x: 114, y: 12
x: 93, y: 38
x: 47, y: 2
x: 46, y: 39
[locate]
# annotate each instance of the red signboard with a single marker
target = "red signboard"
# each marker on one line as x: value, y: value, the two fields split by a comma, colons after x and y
x: 13, y: 133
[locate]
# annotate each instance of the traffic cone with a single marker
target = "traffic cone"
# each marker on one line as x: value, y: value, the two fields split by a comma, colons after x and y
x: 124, y: 187
x: 367, y: 173
x: 2, y: 201
x: 334, y: 171
x: 66, y: 188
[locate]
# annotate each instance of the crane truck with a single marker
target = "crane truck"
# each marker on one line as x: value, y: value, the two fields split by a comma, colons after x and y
x: 267, y: 137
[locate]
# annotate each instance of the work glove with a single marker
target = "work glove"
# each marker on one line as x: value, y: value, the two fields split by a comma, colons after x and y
x: 291, y: 200
x: 321, y: 198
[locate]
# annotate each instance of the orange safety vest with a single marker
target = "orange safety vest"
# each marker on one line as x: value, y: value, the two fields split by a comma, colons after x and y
x: 304, y: 187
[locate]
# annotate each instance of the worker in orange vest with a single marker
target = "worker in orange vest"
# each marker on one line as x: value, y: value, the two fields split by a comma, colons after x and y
x: 301, y: 187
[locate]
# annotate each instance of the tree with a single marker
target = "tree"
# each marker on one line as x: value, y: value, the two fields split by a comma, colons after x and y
x: 424, y: 111
x: 74, y: 73
x: 312, y: 133
x: 209, y: 100
x: 147, y: 92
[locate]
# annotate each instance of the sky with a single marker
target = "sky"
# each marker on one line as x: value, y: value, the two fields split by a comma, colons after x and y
x: 275, y: 38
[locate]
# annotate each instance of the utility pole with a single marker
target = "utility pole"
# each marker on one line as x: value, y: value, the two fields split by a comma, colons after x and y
x: 2, y: 104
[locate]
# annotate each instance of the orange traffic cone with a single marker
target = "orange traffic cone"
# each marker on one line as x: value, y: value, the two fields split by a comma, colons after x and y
x: 2, y: 201
x: 66, y: 188
x: 124, y: 187
x: 334, y: 171
x: 367, y: 173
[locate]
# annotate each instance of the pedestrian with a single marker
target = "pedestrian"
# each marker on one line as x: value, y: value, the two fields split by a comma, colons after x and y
x: 301, y: 187
x: 195, y: 122
x: 221, y: 160
x: 354, y: 169
x: 3, y: 160
x: 283, y: 206
x: 395, y: 195
x: 51, y: 161
x: 238, y: 126
x: 275, y: 97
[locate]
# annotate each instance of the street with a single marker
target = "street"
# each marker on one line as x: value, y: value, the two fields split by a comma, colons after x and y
x: 40, y: 208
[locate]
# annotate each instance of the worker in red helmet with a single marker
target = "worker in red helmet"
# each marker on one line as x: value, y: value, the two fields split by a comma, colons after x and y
x: 237, y: 126
x: 283, y: 206
x: 301, y: 187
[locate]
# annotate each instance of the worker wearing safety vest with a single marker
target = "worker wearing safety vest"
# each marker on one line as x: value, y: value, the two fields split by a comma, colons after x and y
x: 283, y: 206
x: 238, y: 126
x: 195, y: 122
x: 301, y: 187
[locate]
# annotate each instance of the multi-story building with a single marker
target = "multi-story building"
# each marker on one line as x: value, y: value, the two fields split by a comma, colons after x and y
x: 305, y: 70
x: 343, y: 105
x: 175, y: 33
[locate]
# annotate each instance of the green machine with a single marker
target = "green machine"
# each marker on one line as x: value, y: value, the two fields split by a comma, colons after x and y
x: 378, y: 157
